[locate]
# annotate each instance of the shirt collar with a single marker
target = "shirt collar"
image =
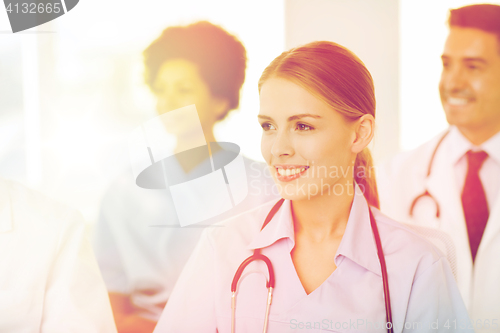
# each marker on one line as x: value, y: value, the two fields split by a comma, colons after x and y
x: 460, y: 146
x: 280, y: 226
x: 5, y: 208
x: 492, y: 147
x: 358, y: 243
x: 175, y: 170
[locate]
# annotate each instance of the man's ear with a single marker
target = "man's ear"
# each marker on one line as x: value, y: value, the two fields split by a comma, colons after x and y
x: 364, y: 129
x: 220, y: 107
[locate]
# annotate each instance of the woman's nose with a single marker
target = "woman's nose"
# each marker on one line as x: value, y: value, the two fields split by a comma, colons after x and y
x: 282, y: 145
x: 166, y: 102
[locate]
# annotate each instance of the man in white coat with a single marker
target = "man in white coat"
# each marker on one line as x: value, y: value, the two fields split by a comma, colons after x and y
x: 49, y: 278
x: 453, y: 181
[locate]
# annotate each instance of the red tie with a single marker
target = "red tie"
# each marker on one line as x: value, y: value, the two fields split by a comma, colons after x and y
x: 474, y: 201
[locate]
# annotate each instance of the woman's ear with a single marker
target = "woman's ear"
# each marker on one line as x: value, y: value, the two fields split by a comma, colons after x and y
x: 364, y: 129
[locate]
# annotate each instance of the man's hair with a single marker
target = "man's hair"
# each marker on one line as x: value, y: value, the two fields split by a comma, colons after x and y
x: 219, y: 56
x: 484, y: 17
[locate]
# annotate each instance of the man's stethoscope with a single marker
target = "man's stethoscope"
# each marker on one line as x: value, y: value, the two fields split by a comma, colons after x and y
x: 426, y: 192
x: 270, y: 284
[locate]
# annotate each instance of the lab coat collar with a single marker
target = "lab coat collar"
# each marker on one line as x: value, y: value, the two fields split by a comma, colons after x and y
x: 460, y: 146
x: 492, y: 147
x: 176, y: 171
x: 358, y: 243
x: 5, y: 207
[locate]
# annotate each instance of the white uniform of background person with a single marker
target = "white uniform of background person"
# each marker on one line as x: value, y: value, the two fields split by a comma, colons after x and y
x: 199, y: 64
x: 478, y: 284
x: 140, y: 257
x: 49, y: 279
x: 470, y: 94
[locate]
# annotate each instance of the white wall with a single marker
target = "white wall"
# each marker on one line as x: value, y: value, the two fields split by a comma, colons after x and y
x: 371, y: 30
x: 86, y: 69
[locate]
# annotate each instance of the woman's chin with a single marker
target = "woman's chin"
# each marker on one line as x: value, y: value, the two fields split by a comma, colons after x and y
x: 291, y: 191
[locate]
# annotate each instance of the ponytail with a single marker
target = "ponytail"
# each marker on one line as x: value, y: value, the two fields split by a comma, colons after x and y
x: 364, y: 176
x: 339, y: 78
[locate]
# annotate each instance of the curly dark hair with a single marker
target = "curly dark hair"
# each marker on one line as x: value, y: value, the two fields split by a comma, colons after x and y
x: 220, y: 57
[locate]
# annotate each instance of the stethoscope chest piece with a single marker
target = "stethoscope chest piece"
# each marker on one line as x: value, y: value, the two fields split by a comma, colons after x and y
x: 418, y: 198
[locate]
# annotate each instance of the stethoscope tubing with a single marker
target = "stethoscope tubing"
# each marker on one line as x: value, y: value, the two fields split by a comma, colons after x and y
x: 383, y: 268
x: 426, y: 192
x: 257, y: 255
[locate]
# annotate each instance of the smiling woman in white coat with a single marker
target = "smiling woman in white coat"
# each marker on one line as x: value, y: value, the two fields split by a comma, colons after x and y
x: 49, y: 278
x: 452, y: 182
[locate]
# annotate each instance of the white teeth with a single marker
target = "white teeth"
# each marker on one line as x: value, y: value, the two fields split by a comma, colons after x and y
x: 457, y: 101
x: 290, y: 172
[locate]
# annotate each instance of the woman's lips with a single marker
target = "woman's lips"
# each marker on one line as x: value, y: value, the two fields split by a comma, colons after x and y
x: 288, y: 173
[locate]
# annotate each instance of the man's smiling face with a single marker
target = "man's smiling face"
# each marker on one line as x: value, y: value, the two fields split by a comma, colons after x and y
x: 470, y: 80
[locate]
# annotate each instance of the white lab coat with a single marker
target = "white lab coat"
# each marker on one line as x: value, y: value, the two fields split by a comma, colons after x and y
x: 402, y: 179
x: 49, y: 278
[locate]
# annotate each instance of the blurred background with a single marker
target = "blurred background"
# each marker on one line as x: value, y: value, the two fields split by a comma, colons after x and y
x: 71, y: 90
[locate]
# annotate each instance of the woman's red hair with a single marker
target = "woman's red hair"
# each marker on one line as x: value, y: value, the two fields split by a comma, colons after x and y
x: 339, y: 78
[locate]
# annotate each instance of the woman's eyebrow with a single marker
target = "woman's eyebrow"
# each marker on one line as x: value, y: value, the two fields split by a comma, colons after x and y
x: 264, y: 117
x: 292, y: 118
x: 303, y: 115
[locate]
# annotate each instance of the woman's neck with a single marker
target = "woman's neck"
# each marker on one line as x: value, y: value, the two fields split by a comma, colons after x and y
x: 189, y: 140
x: 191, y: 161
x: 323, y: 217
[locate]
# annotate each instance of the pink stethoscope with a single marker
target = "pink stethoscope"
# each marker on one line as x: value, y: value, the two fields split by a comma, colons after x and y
x: 257, y: 255
x: 426, y: 192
